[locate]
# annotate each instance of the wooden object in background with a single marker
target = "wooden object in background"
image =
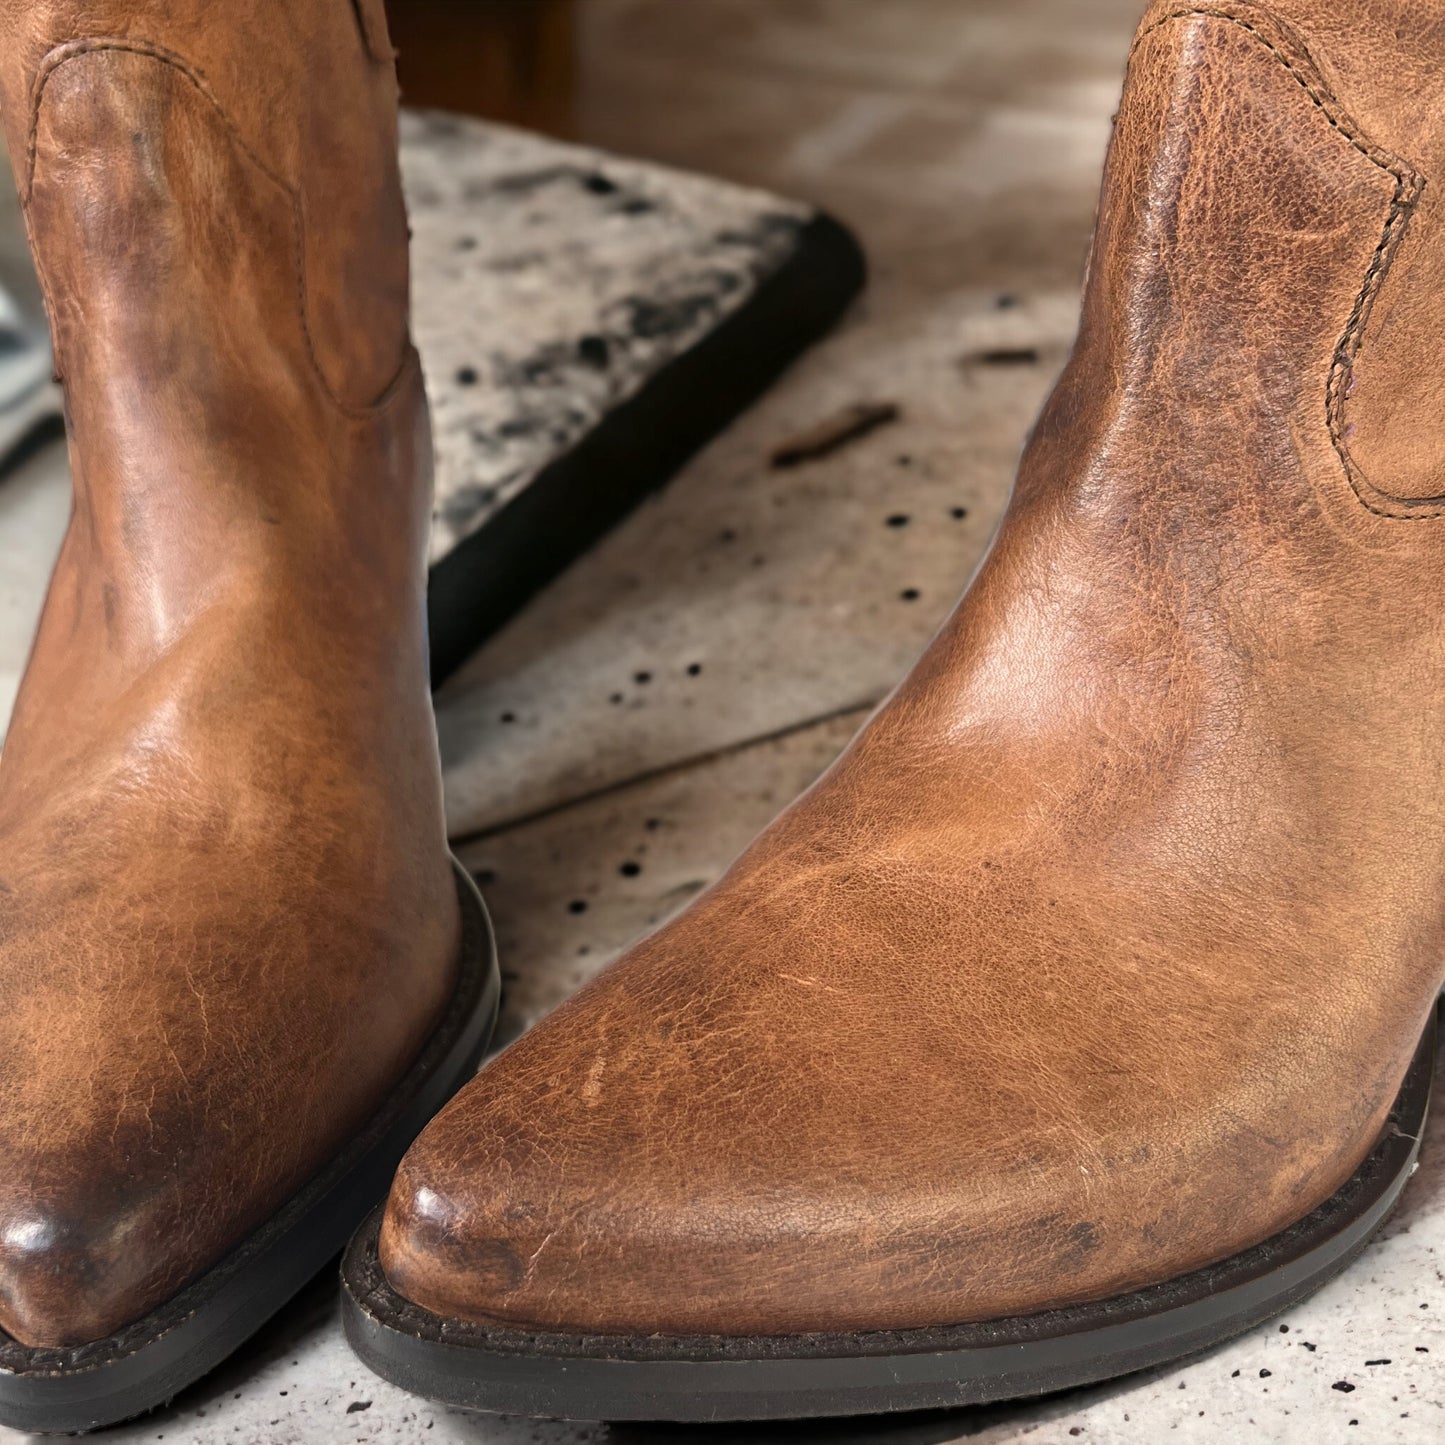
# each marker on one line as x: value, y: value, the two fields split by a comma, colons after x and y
x: 508, y: 60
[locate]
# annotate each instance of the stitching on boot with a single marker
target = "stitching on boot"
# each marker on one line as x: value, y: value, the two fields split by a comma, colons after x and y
x: 74, y: 50
x: 1342, y: 371
x: 1409, y: 183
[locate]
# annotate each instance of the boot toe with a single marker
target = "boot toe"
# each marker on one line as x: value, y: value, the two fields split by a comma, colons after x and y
x: 801, y: 1149
x: 64, y: 1279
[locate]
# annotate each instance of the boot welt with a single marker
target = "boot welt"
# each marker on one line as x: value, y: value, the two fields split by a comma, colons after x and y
x: 717, y: 1378
x: 142, y: 1366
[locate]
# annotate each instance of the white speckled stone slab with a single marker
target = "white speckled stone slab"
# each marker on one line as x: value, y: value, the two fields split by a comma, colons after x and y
x: 551, y: 282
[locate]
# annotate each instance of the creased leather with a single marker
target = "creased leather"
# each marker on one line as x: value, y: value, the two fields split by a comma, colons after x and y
x: 1102, y: 951
x: 227, y: 920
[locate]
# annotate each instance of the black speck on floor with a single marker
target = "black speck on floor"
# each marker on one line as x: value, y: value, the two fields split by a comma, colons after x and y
x: 1265, y: 1374
x: 1343, y: 1386
x: 1368, y: 1363
x: 357, y: 1406
x: 594, y: 351
x: 1005, y: 356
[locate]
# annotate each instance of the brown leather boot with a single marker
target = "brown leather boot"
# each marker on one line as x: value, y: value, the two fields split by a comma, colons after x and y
x: 1067, y: 1024
x: 229, y: 926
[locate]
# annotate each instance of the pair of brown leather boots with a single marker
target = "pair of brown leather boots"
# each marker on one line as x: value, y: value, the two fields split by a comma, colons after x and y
x: 1080, y: 1016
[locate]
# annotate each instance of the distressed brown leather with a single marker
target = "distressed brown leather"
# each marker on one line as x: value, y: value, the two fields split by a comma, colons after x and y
x: 227, y: 920
x: 1102, y: 951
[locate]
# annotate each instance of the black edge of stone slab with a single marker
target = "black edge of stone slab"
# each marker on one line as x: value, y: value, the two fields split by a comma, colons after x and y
x: 637, y: 447
x: 715, y: 1378
x: 67, y: 1390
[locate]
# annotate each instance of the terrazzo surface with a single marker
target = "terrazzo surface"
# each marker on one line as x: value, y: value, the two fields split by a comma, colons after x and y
x: 653, y: 259
x: 612, y: 749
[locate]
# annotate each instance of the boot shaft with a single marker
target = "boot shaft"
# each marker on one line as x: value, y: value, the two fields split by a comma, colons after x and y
x: 97, y: 94
x: 1268, y: 273
x: 214, y: 205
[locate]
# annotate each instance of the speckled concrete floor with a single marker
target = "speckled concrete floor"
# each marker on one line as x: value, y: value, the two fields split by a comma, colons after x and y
x: 611, y: 750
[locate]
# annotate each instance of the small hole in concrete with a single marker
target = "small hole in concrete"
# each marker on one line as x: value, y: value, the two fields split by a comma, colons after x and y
x: 694, y: 669
x: 630, y: 869
x: 509, y: 717
x: 642, y: 678
x: 577, y: 905
x: 466, y: 376
x: 958, y: 513
x: 909, y: 594
x: 898, y: 519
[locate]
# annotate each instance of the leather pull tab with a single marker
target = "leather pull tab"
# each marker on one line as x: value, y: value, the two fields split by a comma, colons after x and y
x: 372, y: 15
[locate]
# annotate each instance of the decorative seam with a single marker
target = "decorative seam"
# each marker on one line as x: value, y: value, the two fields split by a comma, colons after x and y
x: 73, y: 50
x: 1409, y: 183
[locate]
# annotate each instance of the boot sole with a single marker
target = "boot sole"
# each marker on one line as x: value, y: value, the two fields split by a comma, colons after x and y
x: 142, y: 1366
x: 718, y: 1378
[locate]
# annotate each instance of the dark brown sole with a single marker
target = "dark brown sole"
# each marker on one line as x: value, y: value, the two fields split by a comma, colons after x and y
x: 143, y: 1365
x: 665, y: 1378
